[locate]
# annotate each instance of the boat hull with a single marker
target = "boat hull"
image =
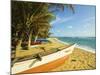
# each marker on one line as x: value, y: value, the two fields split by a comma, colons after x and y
x: 47, y: 63
x: 46, y: 67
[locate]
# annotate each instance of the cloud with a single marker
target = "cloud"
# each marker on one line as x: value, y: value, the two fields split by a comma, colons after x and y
x: 66, y: 19
x: 70, y: 27
x: 61, y: 20
x: 89, y: 19
x: 59, y: 31
x: 88, y: 28
x: 89, y: 23
x: 55, y: 21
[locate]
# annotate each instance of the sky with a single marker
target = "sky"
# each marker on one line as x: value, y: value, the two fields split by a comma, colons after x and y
x: 78, y: 24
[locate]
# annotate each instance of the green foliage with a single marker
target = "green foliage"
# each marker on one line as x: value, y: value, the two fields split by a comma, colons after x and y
x: 30, y: 18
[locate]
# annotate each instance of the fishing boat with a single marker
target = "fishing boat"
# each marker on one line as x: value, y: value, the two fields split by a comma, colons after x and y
x: 45, y: 64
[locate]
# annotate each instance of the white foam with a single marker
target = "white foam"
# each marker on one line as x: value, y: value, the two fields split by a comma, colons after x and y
x: 86, y: 48
x: 79, y: 46
x: 62, y: 41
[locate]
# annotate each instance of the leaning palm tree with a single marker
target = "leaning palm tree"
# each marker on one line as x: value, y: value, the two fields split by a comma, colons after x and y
x: 32, y: 20
x: 23, y: 17
x: 40, y: 15
x: 28, y: 16
x: 38, y: 23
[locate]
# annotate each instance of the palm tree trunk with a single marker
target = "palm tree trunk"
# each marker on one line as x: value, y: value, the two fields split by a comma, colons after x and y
x: 29, y: 41
x: 36, y: 37
x: 18, y: 47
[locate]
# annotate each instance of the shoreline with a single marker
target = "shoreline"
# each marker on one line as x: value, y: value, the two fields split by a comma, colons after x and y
x: 77, y: 46
x: 80, y: 59
x: 86, y: 49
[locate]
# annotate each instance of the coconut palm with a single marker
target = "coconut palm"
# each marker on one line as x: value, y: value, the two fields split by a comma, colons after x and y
x: 39, y: 24
x: 25, y: 17
x: 32, y: 19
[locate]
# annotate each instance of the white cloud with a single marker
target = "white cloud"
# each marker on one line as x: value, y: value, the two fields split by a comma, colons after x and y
x: 66, y: 19
x: 85, y: 25
x: 89, y: 19
x: 88, y: 27
x: 55, y: 21
x: 61, y: 20
x: 70, y: 27
x: 58, y: 31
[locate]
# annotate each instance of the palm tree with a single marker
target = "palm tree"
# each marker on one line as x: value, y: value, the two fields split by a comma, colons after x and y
x: 61, y: 7
x: 25, y: 17
x: 29, y: 19
x: 34, y: 21
x: 41, y: 15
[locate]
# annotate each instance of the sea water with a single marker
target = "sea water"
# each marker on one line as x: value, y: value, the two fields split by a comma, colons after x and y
x: 83, y: 42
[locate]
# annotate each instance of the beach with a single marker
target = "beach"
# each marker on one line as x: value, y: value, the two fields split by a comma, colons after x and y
x: 80, y: 59
x: 46, y: 39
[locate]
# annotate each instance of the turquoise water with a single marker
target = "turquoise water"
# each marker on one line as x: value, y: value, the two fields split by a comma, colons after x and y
x: 88, y: 42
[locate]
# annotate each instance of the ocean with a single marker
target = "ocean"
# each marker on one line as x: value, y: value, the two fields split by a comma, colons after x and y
x: 83, y: 42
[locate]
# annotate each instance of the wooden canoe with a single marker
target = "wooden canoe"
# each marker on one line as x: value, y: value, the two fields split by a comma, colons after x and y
x: 47, y: 63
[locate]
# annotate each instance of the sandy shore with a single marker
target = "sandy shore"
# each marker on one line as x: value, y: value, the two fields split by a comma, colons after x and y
x: 79, y: 60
